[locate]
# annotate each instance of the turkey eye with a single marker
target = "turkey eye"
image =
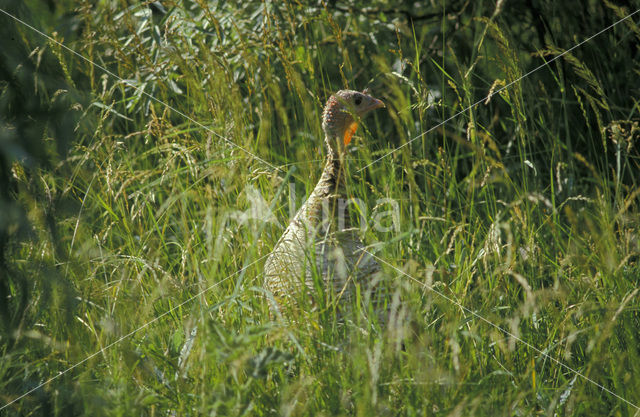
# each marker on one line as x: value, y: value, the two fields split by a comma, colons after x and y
x: 358, y: 101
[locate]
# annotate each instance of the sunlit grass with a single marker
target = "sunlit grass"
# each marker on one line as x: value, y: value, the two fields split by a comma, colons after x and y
x: 522, y: 210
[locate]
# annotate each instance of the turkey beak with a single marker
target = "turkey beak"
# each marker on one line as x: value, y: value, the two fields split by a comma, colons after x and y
x: 376, y: 104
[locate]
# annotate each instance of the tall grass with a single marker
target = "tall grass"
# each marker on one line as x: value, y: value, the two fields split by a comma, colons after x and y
x: 523, y: 209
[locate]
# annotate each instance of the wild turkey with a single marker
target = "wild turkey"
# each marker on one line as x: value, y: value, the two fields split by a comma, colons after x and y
x: 320, y: 252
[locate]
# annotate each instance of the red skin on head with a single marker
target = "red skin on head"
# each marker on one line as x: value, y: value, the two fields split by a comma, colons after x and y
x: 335, y: 118
x: 343, y: 111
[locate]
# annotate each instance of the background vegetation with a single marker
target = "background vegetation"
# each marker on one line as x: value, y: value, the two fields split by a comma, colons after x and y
x: 115, y: 208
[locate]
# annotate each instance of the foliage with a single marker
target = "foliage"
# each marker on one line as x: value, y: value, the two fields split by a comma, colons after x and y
x: 141, y: 188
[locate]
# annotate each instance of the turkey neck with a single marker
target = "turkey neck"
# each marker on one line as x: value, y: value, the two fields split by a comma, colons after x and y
x: 333, y: 181
x: 331, y: 187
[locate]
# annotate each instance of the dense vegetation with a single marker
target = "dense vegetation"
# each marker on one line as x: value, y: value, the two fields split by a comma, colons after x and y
x: 142, y: 187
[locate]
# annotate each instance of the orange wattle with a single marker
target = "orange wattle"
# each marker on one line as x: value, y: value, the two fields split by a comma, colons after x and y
x: 348, y: 133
